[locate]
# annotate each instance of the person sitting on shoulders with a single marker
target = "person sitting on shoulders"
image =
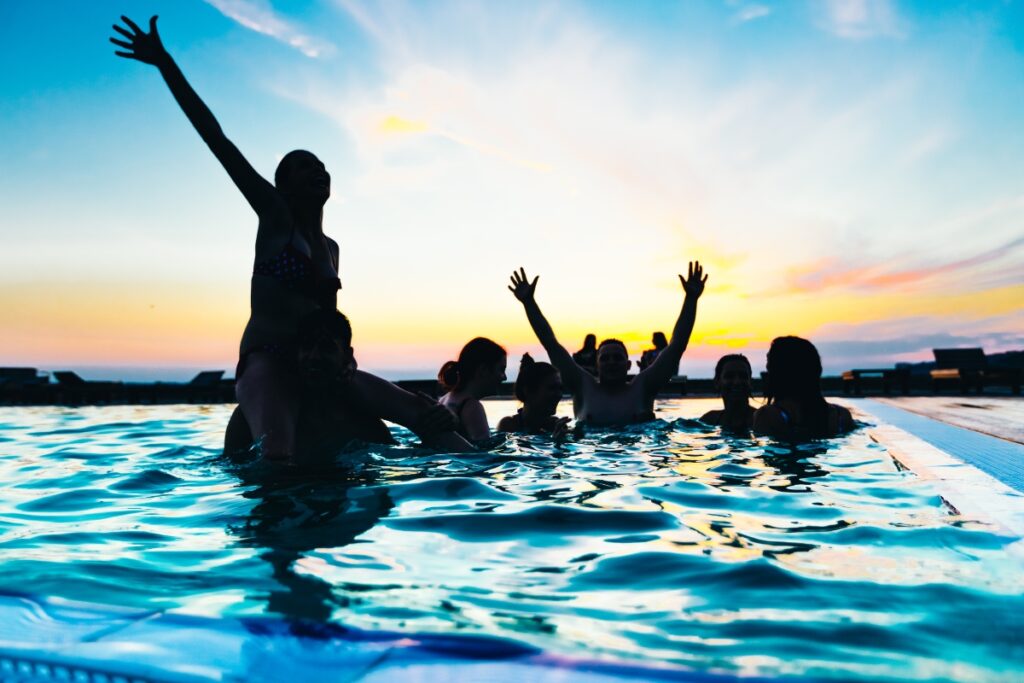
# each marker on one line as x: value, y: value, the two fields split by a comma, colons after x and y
x: 795, y: 407
x: 477, y: 374
x: 539, y: 388
x: 734, y: 383
x: 611, y: 398
x: 337, y: 404
x: 648, y: 356
x: 586, y: 357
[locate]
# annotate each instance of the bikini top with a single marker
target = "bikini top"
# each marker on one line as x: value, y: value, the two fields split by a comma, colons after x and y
x: 294, y: 270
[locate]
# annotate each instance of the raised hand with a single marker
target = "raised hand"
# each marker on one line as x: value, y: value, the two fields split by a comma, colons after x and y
x: 560, y: 429
x: 693, y: 284
x: 141, y: 46
x: 522, y: 287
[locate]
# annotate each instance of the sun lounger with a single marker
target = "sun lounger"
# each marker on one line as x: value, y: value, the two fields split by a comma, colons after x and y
x: 969, y: 368
x: 853, y: 380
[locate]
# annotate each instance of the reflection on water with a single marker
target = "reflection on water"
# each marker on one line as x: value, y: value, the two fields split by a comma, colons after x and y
x: 663, y: 542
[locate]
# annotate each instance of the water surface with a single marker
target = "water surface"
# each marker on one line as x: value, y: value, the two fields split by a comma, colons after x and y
x: 667, y: 542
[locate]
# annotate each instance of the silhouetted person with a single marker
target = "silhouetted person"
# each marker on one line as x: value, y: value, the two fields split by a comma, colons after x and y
x: 337, y: 404
x: 539, y: 388
x: 295, y: 269
x: 611, y: 398
x: 477, y: 373
x: 648, y: 356
x: 796, y: 408
x: 586, y: 357
x: 734, y: 383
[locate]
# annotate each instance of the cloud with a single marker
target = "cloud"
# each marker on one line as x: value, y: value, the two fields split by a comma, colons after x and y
x: 257, y: 15
x: 912, y: 339
x: 830, y: 272
x: 752, y: 12
x: 860, y: 19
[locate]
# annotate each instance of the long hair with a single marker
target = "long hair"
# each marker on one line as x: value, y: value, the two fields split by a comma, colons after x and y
x: 284, y: 167
x: 478, y: 353
x: 531, y: 375
x: 794, y: 373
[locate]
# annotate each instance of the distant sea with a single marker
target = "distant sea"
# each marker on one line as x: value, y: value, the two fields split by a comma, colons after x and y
x: 123, y: 373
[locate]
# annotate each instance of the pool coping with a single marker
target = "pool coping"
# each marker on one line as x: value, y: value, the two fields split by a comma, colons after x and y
x: 973, y: 472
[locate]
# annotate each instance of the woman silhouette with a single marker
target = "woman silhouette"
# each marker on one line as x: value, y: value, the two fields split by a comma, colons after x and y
x: 295, y: 271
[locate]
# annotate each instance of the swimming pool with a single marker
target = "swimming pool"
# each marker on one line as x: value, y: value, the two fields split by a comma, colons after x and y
x: 665, y: 543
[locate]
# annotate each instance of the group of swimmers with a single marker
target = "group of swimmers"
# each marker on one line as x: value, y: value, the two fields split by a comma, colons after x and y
x: 298, y: 385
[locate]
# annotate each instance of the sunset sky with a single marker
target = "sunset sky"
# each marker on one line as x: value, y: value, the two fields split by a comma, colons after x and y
x: 850, y: 171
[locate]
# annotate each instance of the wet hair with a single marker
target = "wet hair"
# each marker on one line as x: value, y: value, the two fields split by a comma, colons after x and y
x: 794, y: 373
x: 478, y: 353
x: 284, y: 167
x: 590, y: 341
x: 659, y: 341
x: 322, y: 325
x: 531, y: 375
x: 606, y: 342
x: 729, y: 358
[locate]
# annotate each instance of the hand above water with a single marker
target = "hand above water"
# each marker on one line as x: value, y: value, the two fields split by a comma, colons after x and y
x: 435, y: 419
x: 140, y: 46
x: 522, y: 287
x: 693, y: 284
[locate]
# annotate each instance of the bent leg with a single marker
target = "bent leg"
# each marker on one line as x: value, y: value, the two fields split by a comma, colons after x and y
x: 268, y: 397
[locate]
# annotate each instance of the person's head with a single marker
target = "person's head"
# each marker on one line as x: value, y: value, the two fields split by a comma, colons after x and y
x: 794, y: 370
x: 325, y: 349
x: 481, y: 366
x: 539, y: 385
x: 733, y: 377
x: 301, y: 176
x: 589, y: 343
x: 612, y: 361
x: 659, y: 341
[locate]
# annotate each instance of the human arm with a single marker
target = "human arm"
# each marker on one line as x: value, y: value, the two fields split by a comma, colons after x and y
x: 149, y: 49
x: 666, y: 364
x: 390, y: 402
x: 524, y: 291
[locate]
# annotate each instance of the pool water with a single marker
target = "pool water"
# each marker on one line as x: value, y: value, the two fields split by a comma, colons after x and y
x: 664, y: 543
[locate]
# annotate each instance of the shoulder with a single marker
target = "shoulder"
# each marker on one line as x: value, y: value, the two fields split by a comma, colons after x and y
x: 769, y: 420
x: 712, y: 417
x: 507, y: 424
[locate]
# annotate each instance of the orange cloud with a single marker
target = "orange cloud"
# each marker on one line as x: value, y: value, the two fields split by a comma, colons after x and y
x: 829, y: 273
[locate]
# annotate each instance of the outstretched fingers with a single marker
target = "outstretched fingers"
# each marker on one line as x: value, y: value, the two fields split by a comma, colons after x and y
x: 126, y: 34
x: 131, y: 24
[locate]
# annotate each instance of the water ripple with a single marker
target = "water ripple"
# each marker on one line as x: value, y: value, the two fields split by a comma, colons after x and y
x: 663, y: 542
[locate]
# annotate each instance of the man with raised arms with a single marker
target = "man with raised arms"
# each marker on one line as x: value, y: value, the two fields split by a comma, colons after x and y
x: 611, y: 397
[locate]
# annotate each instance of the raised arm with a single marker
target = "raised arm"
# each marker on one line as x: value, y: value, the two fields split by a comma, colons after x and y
x: 524, y: 290
x: 149, y: 49
x: 658, y: 373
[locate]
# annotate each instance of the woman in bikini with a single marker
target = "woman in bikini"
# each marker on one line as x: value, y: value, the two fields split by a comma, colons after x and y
x: 539, y: 388
x: 796, y: 408
x: 295, y: 269
x: 733, y: 381
x: 477, y: 374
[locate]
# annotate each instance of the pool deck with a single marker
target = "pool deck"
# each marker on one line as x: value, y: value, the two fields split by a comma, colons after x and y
x: 1002, y: 417
x: 978, y: 474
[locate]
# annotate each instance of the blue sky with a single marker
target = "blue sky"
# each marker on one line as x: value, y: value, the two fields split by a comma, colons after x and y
x: 852, y: 171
